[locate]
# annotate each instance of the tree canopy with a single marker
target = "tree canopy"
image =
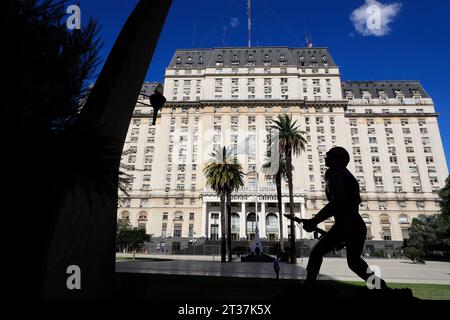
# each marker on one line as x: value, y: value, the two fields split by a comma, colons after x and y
x: 430, y: 235
x: 129, y: 238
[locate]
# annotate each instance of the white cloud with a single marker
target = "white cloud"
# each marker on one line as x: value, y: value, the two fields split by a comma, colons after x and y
x: 373, y: 18
x: 234, y: 22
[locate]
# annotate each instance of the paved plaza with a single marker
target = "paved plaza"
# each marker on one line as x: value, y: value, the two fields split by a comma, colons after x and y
x: 399, y: 271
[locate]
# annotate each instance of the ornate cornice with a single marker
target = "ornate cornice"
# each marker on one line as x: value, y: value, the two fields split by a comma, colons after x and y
x: 257, y: 103
x: 390, y: 115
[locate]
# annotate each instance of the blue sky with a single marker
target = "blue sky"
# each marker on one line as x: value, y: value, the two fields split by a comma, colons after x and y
x: 416, y: 48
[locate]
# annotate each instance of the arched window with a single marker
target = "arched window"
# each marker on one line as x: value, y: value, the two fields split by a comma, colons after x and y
x: 251, y: 222
x: 271, y: 223
x: 142, y: 216
x: 179, y: 215
x: 125, y: 215
x: 366, y: 218
x: 235, y: 222
x: 384, y: 218
x: 404, y: 218
x: 142, y: 221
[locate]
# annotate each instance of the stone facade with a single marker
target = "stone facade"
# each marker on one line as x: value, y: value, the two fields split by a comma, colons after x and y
x: 228, y: 96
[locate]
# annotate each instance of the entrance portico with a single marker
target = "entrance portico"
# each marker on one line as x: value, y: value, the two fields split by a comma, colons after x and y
x: 244, y: 218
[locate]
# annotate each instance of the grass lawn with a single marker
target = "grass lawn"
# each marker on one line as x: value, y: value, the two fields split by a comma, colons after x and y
x: 207, y: 288
x: 421, y: 291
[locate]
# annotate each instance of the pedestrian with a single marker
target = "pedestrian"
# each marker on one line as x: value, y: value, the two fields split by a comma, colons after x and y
x: 276, y: 265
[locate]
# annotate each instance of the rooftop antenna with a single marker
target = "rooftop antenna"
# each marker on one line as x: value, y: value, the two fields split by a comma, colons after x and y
x: 309, y: 43
x: 249, y: 23
x: 224, y: 29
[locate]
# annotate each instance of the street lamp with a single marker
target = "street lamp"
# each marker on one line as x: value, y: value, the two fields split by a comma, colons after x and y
x: 157, y: 101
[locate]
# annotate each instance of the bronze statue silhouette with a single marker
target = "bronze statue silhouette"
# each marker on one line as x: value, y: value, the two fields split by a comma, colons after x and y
x: 349, y: 230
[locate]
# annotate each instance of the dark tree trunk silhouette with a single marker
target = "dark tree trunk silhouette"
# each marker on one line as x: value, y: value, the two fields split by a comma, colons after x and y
x: 292, y: 252
x: 85, y: 230
x: 280, y: 208
x: 230, y: 255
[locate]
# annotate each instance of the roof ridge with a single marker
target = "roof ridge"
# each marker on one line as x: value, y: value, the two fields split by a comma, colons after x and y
x: 362, y: 81
x: 249, y: 48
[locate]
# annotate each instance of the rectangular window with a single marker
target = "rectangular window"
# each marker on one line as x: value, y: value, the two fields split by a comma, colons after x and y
x: 386, y: 231
x: 177, y: 231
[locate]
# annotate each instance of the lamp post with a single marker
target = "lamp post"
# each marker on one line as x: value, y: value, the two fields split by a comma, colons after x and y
x: 157, y: 101
x: 256, y: 243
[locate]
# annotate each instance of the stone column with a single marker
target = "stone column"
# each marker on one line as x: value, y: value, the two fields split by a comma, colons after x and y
x: 205, y: 220
x: 242, y: 231
x: 262, y: 223
x: 302, y: 215
x: 297, y: 226
x: 219, y: 223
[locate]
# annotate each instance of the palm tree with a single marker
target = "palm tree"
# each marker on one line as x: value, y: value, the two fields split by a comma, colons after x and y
x: 290, y: 141
x: 278, y: 173
x: 224, y: 174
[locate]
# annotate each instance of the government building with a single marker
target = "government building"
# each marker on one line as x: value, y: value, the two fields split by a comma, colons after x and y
x: 229, y: 96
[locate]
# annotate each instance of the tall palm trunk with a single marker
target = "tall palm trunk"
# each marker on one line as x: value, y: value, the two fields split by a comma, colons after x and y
x: 293, y: 255
x: 280, y: 208
x: 230, y: 256
x: 223, y: 245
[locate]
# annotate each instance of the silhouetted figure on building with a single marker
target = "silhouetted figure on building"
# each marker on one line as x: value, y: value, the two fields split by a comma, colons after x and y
x: 157, y: 101
x: 342, y: 191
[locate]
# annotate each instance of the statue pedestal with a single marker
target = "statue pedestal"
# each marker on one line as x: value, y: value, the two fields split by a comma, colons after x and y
x: 262, y: 257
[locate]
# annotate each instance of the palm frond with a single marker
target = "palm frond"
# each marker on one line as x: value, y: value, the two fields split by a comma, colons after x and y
x: 290, y: 137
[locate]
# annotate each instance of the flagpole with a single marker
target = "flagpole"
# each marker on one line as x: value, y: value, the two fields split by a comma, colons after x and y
x: 249, y: 23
